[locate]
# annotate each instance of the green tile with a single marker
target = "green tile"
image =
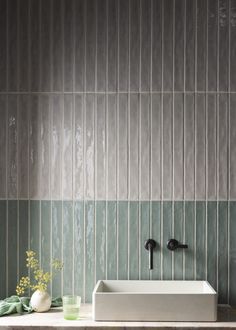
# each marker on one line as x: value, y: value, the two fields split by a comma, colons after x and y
x: 232, y: 275
x: 167, y: 234
x: 34, y: 225
x: 12, y: 247
x: 212, y: 244
x: 189, y: 239
x: 156, y: 235
x: 122, y: 240
x: 46, y: 235
x: 200, y: 240
x: 111, y: 241
x: 223, y: 252
x: 68, y: 247
x: 178, y: 234
x: 133, y: 241
x: 144, y: 235
x: 79, y: 248
x: 3, y: 225
x: 23, y: 236
x: 100, y: 240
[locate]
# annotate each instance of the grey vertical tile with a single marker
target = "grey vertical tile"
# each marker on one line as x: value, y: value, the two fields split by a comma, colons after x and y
x: 122, y: 223
x: 232, y: 147
x: 89, y: 146
x: 179, y: 44
x: 46, y: 235
x: 232, y: 45
x: 111, y: 240
x: 166, y: 235
x: 45, y: 131
x: 79, y: 45
x: 200, y: 157
x: 3, y: 244
x: 201, y: 45
x: 211, y: 146
x: 178, y: 146
x: 100, y: 209
x: 133, y: 146
x: 190, y: 239
x: 223, y: 147
x: 133, y: 241
x: 23, y: 45
x: 212, y: 243
x: 156, y: 27
x: 89, y: 250
x: 178, y: 234
x: 111, y: 146
x: 68, y: 247
x: 34, y: 46
x: 57, y: 47
x: 155, y: 122
x: 12, y: 146
x: 145, y: 44
x: 23, y: 146
x: 3, y: 145
x: 144, y: 155
x: 12, y: 51
x: 78, y: 147
x: 223, y: 252
x: 56, y: 146
x: 112, y: 55
x: 156, y: 235
x: 67, y: 147
x: 168, y: 45
x: 223, y: 22
x: 232, y: 254
x: 3, y: 42
x: 212, y: 45
x: 34, y: 147
x: 46, y: 43
x: 134, y: 44
x: 167, y: 146
x: 144, y: 235
x: 123, y: 44
x: 56, y: 244
x: 190, y: 45
x: 122, y: 161
x: 200, y: 240
x: 34, y: 226
x: 101, y: 45
x: 12, y: 247
x: 68, y: 12
x: 79, y: 247
x: 90, y: 45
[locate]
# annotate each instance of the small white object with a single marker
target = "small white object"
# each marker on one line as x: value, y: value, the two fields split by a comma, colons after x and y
x: 154, y: 301
x: 40, y: 301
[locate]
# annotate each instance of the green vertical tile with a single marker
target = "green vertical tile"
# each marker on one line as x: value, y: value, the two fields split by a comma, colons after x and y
x: 89, y: 250
x: 156, y: 235
x: 178, y: 234
x: 212, y: 244
x: 144, y: 235
x: 79, y: 248
x: 57, y: 244
x: 46, y: 235
x: 12, y: 247
x: 133, y: 241
x: 232, y: 275
x: 23, y: 236
x: 100, y: 240
x: 200, y: 240
x: 34, y: 225
x: 189, y: 239
x: 67, y: 247
x: 122, y: 240
x: 223, y: 252
x: 3, y: 224
x: 167, y: 234
x: 111, y: 241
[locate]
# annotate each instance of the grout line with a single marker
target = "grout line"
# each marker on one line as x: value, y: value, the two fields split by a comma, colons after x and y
x: 73, y: 149
x: 173, y: 137
x: 229, y: 89
x: 139, y: 140
x: 62, y: 137
x: 184, y: 146
x: 217, y: 152
x: 106, y: 137
x: 128, y: 144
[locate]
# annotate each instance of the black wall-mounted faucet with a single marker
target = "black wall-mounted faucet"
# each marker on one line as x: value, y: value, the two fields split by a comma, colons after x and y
x: 149, y: 245
x: 173, y: 244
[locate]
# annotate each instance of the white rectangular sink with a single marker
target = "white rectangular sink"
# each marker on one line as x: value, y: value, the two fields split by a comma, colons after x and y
x: 154, y: 301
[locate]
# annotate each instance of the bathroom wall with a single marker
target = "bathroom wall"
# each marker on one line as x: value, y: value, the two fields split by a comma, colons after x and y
x: 117, y: 123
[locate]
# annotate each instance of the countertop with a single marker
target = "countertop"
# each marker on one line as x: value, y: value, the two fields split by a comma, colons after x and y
x: 54, y: 320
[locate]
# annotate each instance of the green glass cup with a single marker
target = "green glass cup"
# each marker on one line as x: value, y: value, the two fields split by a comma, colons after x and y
x: 71, y: 307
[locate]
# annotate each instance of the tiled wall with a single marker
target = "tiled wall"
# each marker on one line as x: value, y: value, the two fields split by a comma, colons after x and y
x: 118, y: 123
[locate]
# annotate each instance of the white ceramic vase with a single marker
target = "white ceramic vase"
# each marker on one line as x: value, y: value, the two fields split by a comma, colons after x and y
x: 40, y: 301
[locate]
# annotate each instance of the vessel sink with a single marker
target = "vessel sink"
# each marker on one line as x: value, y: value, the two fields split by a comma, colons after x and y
x: 154, y: 301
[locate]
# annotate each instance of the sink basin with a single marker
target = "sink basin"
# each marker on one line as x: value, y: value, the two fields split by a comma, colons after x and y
x: 154, y: 301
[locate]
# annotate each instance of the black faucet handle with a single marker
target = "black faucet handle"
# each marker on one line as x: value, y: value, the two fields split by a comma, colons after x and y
x: 173, y: 244
x: 149, y: 245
